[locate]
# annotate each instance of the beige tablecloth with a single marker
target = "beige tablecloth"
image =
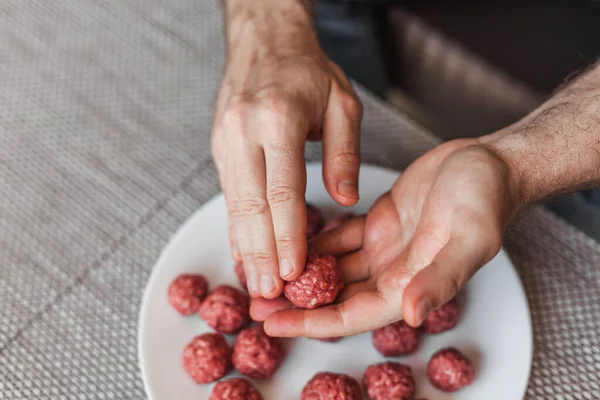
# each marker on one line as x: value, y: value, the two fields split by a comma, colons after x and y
x: 105, y: 114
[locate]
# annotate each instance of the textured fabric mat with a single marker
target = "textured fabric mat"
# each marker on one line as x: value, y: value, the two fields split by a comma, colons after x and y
x: 105, y: 114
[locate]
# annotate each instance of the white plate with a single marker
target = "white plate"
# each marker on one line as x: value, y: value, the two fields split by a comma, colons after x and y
x: 494, y: 332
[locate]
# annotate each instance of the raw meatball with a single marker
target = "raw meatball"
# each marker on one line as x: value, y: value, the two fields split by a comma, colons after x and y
x: 330, y: 386
x: 314, y: 221
x: 225, y: 309
x: 241, y: 274
x: 443, y: 318
x: 337, y: 221
x: 389, y: 381
x: 207, y: 358
x: 257, y: 355
x: 186, y: 293
x: 318, y: 285
x: 449, y: 370
x: 235, y: 389
x: 396, y: 339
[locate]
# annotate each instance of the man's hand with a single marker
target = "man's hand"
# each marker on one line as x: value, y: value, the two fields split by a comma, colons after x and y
x: 418, y: 245
x: 445, y: 216
x: 278, y: 91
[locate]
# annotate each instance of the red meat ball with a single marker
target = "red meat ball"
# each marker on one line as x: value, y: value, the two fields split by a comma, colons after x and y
x: 330, y: 386
x: 396, y: 339
x: 389, y: 380
x: 257, y: 355
x: 207, y: 358
x: 186, y: 293
x: 235, y: 389
x: 314, y: 221
x: 449, y: 370
x: 337, y: 221
x: 318, y: 285
x: 226, y: 309
x: 241, y: 274
x: 442, y: 318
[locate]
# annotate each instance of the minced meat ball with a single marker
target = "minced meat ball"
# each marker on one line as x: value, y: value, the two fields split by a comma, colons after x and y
x: 225, y: 309
x: 257, y: 355
x: 337, y: 221
x: 318, y: 285
x: 207, y: 358
x: 442, y: 318
x: 187, y: 292
x: 389, y: 381
x: 396, y: 339
x: 235, y: 389
x: 331, y: 386
x: 314, y: 221
x: 449, y: 370
x: 241, y: 274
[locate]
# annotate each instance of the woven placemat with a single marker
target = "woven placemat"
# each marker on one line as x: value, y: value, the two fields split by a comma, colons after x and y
x: 105, y: 115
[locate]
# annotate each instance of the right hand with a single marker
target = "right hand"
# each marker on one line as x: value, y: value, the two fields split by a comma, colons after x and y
x: 279, y: 90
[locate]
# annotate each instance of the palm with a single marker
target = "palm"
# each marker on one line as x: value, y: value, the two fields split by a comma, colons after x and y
x: 420, y: 242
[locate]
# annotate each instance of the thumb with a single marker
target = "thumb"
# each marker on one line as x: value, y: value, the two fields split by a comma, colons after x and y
x: 341, y: 145
x: 441, y: 280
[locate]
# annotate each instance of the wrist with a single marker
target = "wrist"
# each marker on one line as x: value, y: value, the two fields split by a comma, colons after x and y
x: 276, y: 22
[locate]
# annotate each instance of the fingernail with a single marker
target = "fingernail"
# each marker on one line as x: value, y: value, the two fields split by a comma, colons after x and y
x: 266, y: 284
x: 348, y: 188
x: 285, y: 268
x: 252, y: 281
x: 422, y: 310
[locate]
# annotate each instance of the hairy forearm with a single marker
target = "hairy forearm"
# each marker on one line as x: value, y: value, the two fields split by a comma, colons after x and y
x: 555, y: 149
x: 268, y: 24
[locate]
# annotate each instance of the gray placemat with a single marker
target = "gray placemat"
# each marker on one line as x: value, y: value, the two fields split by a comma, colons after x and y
x: 105, y: 114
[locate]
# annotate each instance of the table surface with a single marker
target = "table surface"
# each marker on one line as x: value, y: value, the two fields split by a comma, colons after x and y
x: 105, y: 115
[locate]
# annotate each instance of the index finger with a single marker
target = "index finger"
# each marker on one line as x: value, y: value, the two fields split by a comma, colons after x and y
x: 361, y: 313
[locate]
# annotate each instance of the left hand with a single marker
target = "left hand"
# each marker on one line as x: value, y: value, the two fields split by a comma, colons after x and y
x: 443, y: 219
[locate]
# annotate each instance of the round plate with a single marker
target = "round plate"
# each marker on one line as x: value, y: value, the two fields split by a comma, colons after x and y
x: 494, y: 331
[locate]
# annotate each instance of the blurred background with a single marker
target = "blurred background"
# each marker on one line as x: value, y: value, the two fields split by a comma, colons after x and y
x: 467, y: 68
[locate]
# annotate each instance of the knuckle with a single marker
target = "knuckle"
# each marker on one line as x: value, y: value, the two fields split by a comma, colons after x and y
x: 280, y: 194
x: 346, y: 158
x: 235, y: 116
x: 286, y: 241
x: 351, y: 105
x: 263, y: 258
x: 249, y: 207
x: 276, y: 103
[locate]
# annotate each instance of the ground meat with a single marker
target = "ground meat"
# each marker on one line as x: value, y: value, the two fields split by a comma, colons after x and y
x: 257, y: 355
x: 389, y: 381
x: 186, y: 293
x: 226, y: 309
x: 337, y: 221
x: 330, y: 386
x: 235, y: 389
x: 314, y: 221
x: 318, y: 285
x: 396, y: 339
x: 330, y: 339
x: 241, y: 274
x: 443, y: 318
x: 449, y: 370
x: 207, y: 358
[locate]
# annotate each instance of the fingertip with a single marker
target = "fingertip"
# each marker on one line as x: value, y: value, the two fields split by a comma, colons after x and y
x: 292, y: 264
x: 348, y: 189
x: 343, y: 192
